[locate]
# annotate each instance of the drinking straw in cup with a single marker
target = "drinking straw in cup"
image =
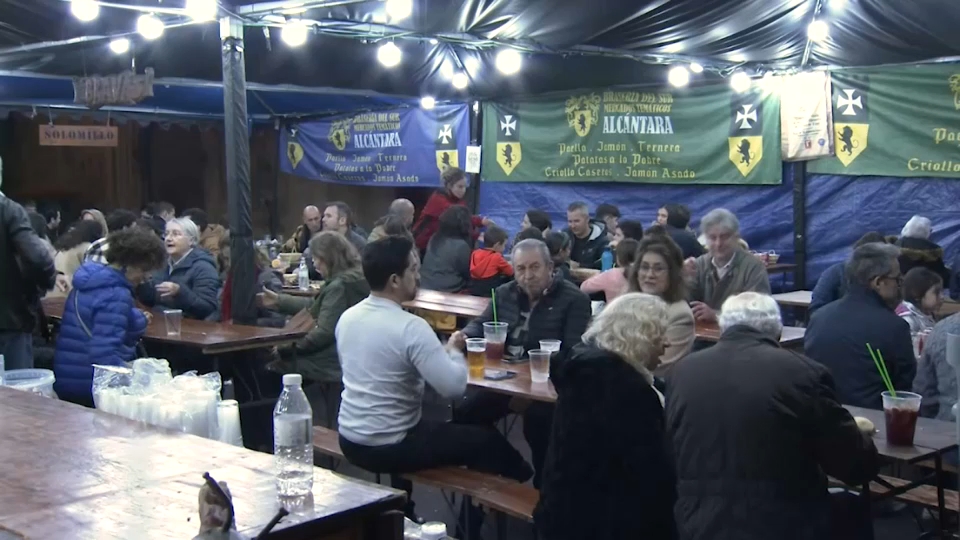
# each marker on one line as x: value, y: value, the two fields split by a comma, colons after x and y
x: 900, y: 415
x: 172, y: 318
x: 496, y: 335
x: 539, y: 365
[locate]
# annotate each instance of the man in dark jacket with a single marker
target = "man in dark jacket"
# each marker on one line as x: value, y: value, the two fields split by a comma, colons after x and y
x: 678, y: 218
x: 539, y: 304
x: 589, y: 237
x: 26, y: 272
x: 840, y: 331
x: 832, y: 283
x: 756, y: 429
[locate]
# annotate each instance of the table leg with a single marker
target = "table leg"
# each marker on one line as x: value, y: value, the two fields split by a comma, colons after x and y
x: 941, y: 509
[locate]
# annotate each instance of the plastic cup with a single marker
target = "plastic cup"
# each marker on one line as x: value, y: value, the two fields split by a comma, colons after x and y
x: 900, y: 414
x: 228, y: 422
x: 476, y: 357
x: 552, y: 345
x: 496, y: 335
x: 539, y: 366
x: 172, y: 318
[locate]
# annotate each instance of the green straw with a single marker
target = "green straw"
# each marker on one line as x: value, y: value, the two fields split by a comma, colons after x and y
x: 882, y: 368
x: 493, y: 303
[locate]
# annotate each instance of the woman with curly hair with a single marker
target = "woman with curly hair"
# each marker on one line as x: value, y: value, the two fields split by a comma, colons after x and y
x: 608, y: 443
x: 101, y: 324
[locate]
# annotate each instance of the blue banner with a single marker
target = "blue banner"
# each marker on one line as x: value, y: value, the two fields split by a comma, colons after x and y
x: 409, y: 146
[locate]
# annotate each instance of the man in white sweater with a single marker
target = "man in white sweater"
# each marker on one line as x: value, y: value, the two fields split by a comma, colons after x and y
x: 387, y: 354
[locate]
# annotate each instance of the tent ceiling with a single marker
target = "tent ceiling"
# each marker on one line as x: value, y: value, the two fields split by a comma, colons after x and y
x: 564, y: 37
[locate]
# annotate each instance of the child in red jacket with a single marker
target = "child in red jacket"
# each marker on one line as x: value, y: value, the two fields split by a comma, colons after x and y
x: 488, y: 268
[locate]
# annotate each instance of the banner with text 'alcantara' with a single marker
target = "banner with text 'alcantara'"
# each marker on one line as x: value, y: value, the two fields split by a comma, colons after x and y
x: 902, y: 121
x: 399, y: 147
x: 704, y: 135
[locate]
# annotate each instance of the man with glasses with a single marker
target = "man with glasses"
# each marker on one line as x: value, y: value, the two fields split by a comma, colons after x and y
x: 839, y: 332
x: 725, y: 270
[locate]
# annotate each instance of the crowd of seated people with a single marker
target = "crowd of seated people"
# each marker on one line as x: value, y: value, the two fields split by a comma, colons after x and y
x: 636, y: 434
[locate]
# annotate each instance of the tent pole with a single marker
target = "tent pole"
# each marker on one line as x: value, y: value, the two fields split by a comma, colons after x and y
x: 800, y: 223
x: 475, y: 137
x: 237, y: 138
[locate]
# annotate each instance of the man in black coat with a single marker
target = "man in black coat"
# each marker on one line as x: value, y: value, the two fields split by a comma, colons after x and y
x: 678, y: 218
x: 26, y: 271
x: 839, y: 332
x: 538, y: 304
x: 755, y: 430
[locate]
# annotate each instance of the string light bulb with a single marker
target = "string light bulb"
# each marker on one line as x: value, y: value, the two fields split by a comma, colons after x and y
x: 509, y: 61
x: 818, y: 31
x: 120, y: 45
x: 696, y: 68
x: 399, y: 9
x: 740, y: 82
x: 149, y: 26
x: 85, y: 10
x: 460, y: 80
x: 428, y: 102
x: 678, y: 76
x: 389, y: 54
x: 201, y: 10
x: 294, y: 33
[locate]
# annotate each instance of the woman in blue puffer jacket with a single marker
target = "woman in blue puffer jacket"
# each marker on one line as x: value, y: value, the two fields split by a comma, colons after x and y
x: 189, y: 281
x: 101, y: 324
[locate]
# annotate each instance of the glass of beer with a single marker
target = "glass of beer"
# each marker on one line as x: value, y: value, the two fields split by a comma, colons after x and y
x: 900, y: 414
x: 476, y: 347
x: 496, y: 335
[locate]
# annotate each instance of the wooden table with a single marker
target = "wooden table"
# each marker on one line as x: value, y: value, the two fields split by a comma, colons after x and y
x: 931, y: 440
x: 459, y: 305
x: 212, y: 338
x: 520, y: 386
x: 799, y: 299
x: 72, y: 472
x: 791, y: 337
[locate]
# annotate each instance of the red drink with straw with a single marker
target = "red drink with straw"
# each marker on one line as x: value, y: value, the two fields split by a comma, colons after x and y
x: 900, y: 409
x: 495, y: 332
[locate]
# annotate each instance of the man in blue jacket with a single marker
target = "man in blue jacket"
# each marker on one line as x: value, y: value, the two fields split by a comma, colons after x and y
x: 840, y: 331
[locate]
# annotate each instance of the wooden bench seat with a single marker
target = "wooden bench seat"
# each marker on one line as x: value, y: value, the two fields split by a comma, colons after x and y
x: 488, y: 490
x: 923, y: 495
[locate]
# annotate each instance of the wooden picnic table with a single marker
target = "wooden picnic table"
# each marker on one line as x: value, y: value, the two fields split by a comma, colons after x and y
x: 73, y: 472
x: 791, y: 337
x: 780, y: 268
x: 459, y: 305
x: 212, y: 338
x: 799, y: 299
x: 519, y: 386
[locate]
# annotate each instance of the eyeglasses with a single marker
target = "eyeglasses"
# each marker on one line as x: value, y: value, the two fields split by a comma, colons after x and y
x: 898, y: 278
x: 656, y: 269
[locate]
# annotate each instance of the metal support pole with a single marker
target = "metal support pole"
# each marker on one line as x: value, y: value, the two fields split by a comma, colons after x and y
x: 237, y: 137
x: 800, y: 224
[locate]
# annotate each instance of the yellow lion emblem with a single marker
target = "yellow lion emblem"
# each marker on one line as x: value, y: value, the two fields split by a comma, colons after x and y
x: 955, y: 88
x: 582, y: 113
x: 340, y: 134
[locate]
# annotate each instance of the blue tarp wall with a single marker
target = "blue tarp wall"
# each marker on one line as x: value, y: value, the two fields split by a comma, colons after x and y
x: 839, y: 209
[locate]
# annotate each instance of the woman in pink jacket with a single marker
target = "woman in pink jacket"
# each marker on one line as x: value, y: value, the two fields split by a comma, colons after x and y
x: 613, y: 282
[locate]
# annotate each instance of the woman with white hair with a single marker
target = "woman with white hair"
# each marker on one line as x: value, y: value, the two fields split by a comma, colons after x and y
x: 918, y: 251
x: 755, y: 432
x: 189, y: 281
x: 608, y: 456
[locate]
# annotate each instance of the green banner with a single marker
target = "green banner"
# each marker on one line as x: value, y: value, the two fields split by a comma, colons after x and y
x: 704, y: 135
x: 895, y: 122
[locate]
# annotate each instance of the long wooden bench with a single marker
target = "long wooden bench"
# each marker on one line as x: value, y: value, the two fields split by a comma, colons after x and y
x: 922, y: 495
x: 489, y: 491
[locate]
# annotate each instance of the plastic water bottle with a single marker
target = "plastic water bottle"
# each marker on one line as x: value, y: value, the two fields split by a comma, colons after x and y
x: 303, y: 275
x: 3, y: 367
x: 606, y: 260
x: 292, y: 441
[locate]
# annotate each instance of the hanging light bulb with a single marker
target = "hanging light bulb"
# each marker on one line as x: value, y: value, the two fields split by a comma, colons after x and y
x: 740, y: 82
x: 428, y: 102
x: 471, y: 64
x: 85, y: 10
x: 509, y: 61
x: 446, y: 70
x: 678, y: 76
x: 696, y: 68
x: 201, y: 10
x: 120, y: 45
x: 389, y: 54
x: 399, y: 9
x: 149, y: 26
x: 818, y: 31
x: 294, y: 33
x: 460, y: 80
